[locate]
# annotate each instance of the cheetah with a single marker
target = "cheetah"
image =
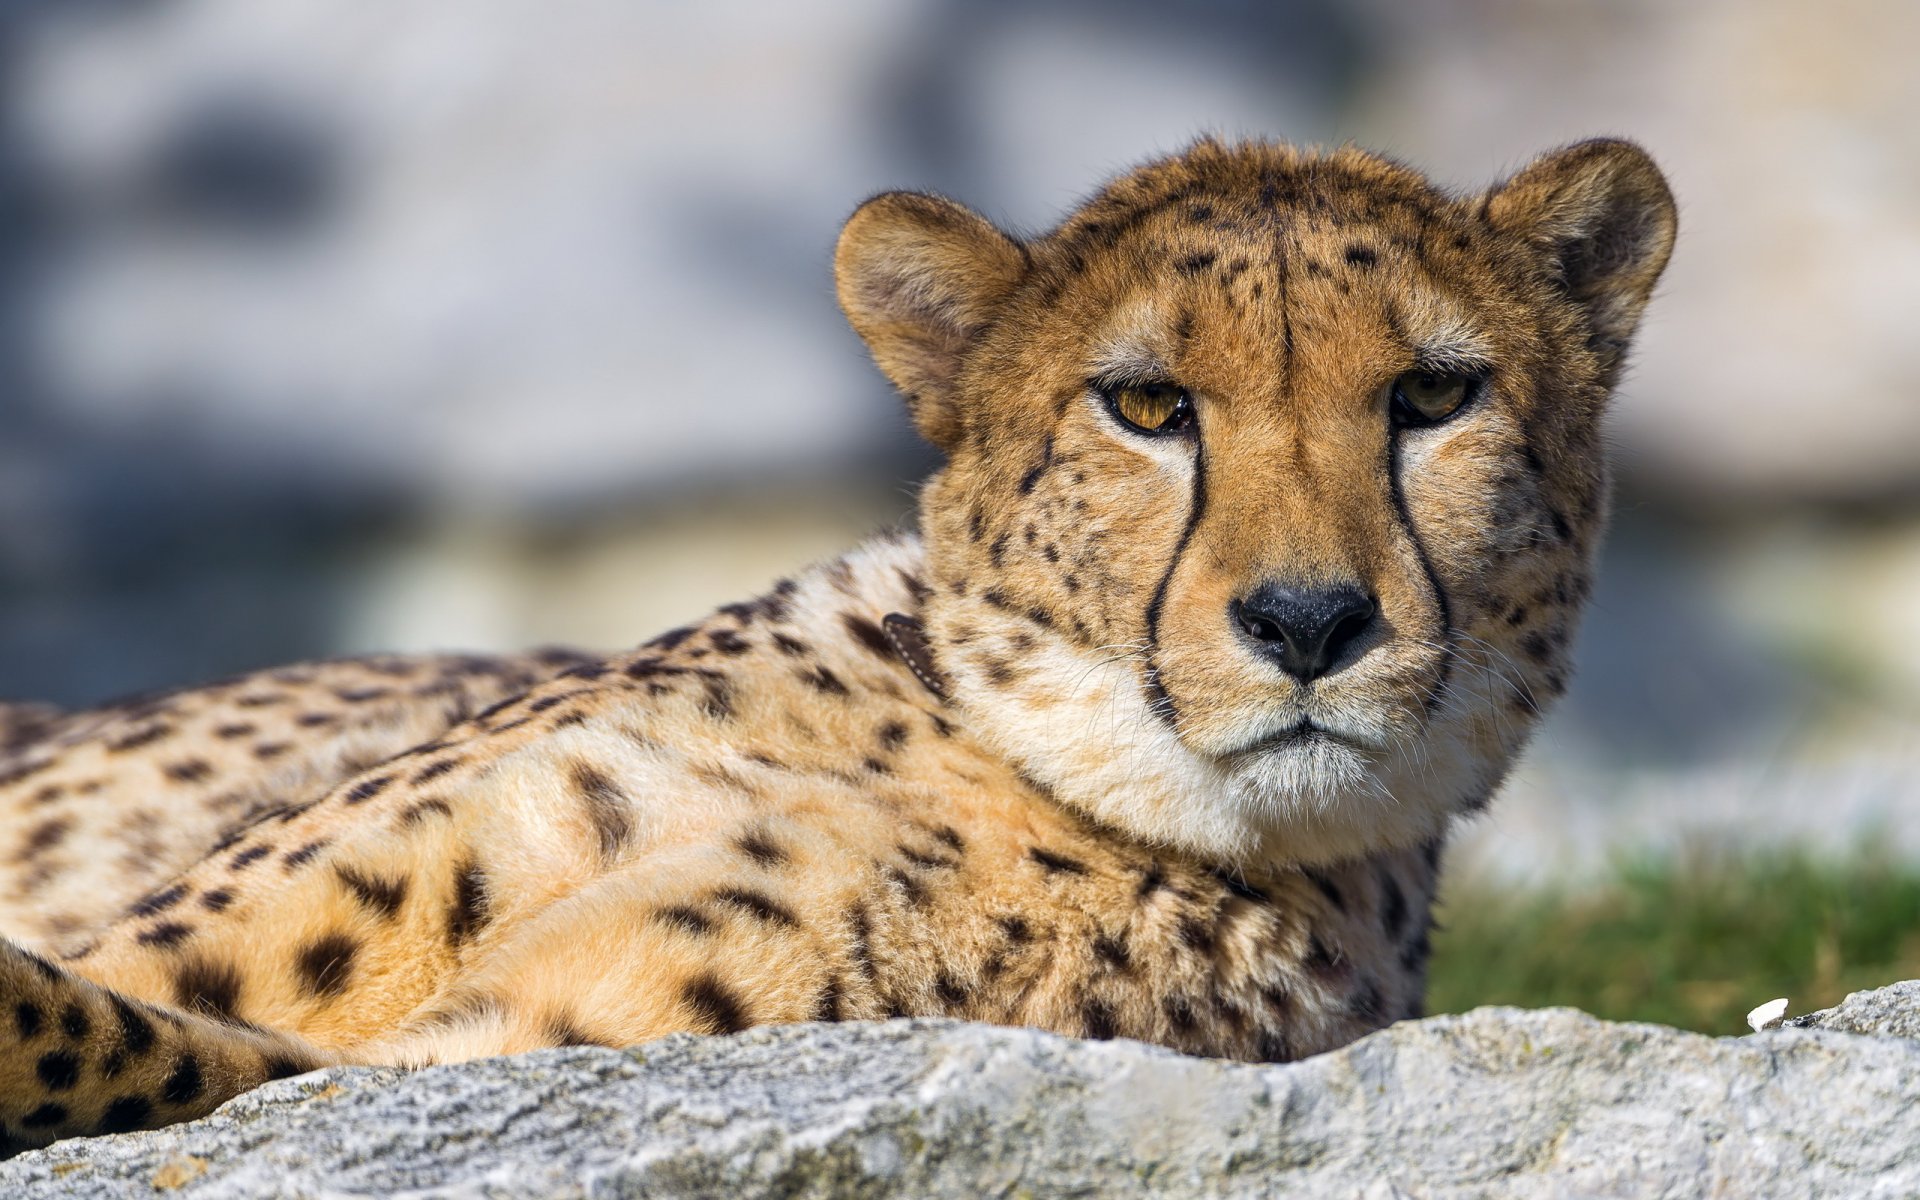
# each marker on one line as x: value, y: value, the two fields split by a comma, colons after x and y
x: 1272, y: 484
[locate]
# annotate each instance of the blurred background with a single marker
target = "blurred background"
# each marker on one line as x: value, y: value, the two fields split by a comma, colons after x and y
x: 331, y: 326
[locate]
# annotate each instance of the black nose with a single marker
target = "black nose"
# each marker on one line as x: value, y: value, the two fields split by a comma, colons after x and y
x: 1304, y: 629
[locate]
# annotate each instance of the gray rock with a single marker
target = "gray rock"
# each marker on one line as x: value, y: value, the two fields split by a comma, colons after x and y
x: 1883, y: 1012
x: 1499, y: 1102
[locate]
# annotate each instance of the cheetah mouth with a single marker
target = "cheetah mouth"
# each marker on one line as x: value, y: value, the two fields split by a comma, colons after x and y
x: 1305, y: 734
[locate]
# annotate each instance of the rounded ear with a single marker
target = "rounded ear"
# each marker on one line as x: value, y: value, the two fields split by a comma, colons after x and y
x: 1601, y: 214
x: 919, y: 277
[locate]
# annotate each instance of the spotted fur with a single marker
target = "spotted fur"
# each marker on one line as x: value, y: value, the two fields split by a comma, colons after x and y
x: 1015, y: 765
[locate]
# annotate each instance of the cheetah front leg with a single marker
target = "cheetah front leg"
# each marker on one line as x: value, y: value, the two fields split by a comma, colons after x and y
x: 77, y: 1058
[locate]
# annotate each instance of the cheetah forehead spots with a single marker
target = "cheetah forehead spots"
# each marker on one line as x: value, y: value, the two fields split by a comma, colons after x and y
x: 1286, y: 462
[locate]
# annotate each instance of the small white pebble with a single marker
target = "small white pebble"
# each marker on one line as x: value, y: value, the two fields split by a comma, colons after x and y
x: 1767, y: 1014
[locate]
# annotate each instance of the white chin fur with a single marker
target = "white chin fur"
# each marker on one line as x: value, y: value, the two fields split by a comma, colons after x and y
x: 1094, y: 741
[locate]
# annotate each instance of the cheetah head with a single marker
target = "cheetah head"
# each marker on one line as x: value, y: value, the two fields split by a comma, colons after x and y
x: 1273, y: 480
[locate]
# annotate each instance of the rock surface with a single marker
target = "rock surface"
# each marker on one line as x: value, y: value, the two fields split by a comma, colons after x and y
x: 1498, y: 1102
x: 1883, y: 1012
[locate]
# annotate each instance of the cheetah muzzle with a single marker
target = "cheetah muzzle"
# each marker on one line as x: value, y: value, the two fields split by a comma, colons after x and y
x: 1272, y: 490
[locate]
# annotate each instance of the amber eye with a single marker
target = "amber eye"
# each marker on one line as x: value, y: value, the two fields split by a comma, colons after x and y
x: 1156, y: 408
x: 1427, y: 397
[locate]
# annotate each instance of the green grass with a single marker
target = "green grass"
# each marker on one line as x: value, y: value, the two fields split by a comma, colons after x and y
x: 1693, y: 940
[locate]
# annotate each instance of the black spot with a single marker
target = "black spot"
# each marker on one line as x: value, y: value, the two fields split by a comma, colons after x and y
x: 140, y: 737
x: 759, y: 846
x: 27, y: 1018
x: 433, y: 771
x: 1151, y: 880
x: 1097, y: 1019
x: 47, y: 970
x: 1319, y: 958
x: 1032, y: 477
x: 304, y: 855
x: 1361, y: 256
x: 757, y: 904
x: 1180, y: 1013
x: 125, y: 1114
x: 1539, y: 646
x: 207, y: 987
x: 247, y: 857
x: 43, y: 837
x: 1328, y: 888
x: 418, y: 812
x: 951, y: 839
x: 714, y: 1007
x: 1056, y: 864
x: 793, y: 647
x: 726, y: 641
x: 563, y: 1030
x: 47, y: 1114
x: 382, y: 896
x: 159, y: 901
x: 951, y: 991
x: 672, y: 638
x: 184, y: 1085
x: 293, y: 812
x: 1272, y: 1047
x: 892, y: 735
x: 827, y: 1007
x: 913, y: 889
x: 718, y: 701
x: 136, y: 1032
x: 367, y: 789
x: 823, y: 680
x: 1417, y: 952
x: 1195, y: 934
x: 1393, y: 905
x: 282, y: 1068
x: 1112, y: 949
x: 190, y: 770
x: 166, y: 933
x: 216, y: 900
x: 325, y: 965
x: 606, y: 807
x: 860, y: 927
x: 686, y: 917
x: 870, y: 635
x: 1193, y: 264
x: 471, y: 904
x: 74, y: 1023
x: 315, y: 719
x: 1016, y: 928
x: 59, y: 1070
x: 267, y: 750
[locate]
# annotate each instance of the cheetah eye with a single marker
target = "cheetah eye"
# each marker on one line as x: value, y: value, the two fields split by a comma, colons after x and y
x: 1429, y: 397
x: 1151, y: 408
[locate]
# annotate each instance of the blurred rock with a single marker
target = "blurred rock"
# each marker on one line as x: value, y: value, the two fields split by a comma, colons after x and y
x: 1499, y: 1102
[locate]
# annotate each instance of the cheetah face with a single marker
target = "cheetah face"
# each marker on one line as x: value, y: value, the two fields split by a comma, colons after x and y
x: 1274, y: 479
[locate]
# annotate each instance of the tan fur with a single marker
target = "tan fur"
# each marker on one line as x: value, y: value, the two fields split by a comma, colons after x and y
x: 1071, y: 817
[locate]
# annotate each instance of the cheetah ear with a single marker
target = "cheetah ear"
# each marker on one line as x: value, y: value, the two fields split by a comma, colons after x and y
x: 919, y: 277
x: 1601, y: 213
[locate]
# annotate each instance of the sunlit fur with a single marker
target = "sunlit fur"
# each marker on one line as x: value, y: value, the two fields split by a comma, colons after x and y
x: 1084, y: 804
